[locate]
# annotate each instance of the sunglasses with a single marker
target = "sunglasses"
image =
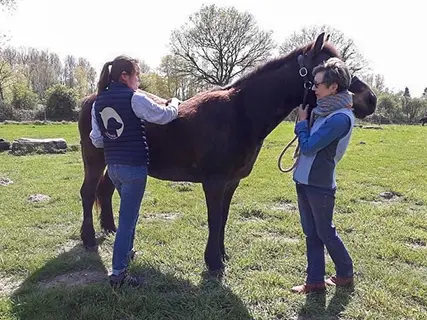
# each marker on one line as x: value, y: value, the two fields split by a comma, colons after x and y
x: 316, y: 85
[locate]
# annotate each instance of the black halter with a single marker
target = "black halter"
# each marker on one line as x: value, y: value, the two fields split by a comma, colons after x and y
x: 303, y: 72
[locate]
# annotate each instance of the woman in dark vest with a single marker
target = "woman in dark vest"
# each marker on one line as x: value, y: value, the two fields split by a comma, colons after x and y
x: 118, y: 116
x: 322, y: 144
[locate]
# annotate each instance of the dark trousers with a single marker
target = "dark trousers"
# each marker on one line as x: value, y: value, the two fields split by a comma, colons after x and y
x: 316, y: 207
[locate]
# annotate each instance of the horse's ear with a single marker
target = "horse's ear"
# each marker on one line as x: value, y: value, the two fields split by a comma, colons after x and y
x: 318, y: 45
x: 328, y: 37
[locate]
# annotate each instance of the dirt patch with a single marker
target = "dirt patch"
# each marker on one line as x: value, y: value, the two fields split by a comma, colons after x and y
x: 5, y: 181
x: 8, y: 285
x: 252, y: 215
x: 38, y: 198
x: 284, y: 206
x: 74, y: 279
x: 416, y: 244
x: 390, y: 195
x: 182, y: 186
x: 281, y: 238
x: 70, y: 245
x: 386, y: 197
x: 162, y: 216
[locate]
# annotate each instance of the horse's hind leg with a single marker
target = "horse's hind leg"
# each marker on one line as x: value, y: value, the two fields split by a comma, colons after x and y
x: 104, y: 195
x: 93, y: 174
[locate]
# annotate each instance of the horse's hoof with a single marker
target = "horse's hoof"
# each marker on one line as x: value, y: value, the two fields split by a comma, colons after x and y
x: 89, y: 243
x: 109, y: 231
x: 92, y: 248
x: 217, y: 273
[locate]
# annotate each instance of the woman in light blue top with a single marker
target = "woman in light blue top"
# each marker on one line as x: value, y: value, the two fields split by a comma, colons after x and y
x: 323, y: 143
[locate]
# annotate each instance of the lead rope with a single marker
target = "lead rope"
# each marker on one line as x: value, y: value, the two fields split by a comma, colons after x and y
x: 303, y: 72
x: 295, y: 155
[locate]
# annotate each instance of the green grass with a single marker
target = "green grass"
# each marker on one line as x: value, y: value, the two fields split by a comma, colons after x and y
x: 43, y: 266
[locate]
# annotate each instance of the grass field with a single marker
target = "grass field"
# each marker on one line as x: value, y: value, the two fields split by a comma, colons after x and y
x: 46, y: 274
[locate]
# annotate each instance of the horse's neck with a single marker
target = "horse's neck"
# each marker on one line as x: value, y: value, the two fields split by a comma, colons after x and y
x: 266, y: 104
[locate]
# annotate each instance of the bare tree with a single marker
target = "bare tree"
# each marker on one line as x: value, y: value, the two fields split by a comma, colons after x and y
x: 47, y: 73
x: 6, y: 75
x: 178, y: 84
x: 85, y: 77
x: 144, y: 67
x: 346, y: 46
x: 10, y: 55
x: 28, y: 58
x: 220, y: 43
x: 69, y: 66
x: 376, y: 82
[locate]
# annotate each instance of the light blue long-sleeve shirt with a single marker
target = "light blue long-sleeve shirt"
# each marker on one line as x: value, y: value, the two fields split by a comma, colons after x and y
x: 323, y: 149
x: 334, y: 128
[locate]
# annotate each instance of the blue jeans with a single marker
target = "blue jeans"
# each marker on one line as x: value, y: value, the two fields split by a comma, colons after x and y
x: 316, y: 207
x: 130, y: 182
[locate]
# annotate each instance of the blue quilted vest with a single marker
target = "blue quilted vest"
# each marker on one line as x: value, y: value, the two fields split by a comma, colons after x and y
x: 123, y: 132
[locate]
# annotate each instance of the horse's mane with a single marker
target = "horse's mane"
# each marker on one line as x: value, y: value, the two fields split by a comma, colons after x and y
x: 276, y: 63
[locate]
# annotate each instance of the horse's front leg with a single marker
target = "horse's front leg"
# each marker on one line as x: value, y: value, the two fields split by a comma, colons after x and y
x: 228, y: 195
x: 214, y: 193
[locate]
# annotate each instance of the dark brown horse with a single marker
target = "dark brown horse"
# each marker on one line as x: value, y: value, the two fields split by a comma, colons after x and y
x: 216, y: 139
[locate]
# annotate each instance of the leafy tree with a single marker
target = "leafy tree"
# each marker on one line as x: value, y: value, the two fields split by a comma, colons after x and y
x: 388, y: 107
x: 23, y: 97
x: 61, y: 103
x: 155, y: 84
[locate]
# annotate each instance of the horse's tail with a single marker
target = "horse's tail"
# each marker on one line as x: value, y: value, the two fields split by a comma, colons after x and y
x: 97, y: 203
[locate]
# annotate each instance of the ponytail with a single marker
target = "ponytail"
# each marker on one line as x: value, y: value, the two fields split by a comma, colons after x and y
x: 105, y: 77
x: 119, y: 65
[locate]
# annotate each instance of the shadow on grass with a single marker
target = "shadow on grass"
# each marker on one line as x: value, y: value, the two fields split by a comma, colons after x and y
x: 74, y: 285
x: 315, y: 305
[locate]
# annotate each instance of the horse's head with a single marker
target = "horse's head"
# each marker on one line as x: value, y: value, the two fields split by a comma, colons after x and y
x: 364, y: 99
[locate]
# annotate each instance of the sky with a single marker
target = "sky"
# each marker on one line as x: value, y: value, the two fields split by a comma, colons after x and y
x: 392, y: 37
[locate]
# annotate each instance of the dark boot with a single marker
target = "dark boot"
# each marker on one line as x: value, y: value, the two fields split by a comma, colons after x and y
x: 116, y: 281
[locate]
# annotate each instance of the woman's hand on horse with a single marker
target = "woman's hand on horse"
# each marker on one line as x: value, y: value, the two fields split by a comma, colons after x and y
x: 170, y: 100
x: 302, y: 112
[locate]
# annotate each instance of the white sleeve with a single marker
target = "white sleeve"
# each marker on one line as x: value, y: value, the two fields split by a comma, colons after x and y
x: 146, y: 109
x: 95, y: 134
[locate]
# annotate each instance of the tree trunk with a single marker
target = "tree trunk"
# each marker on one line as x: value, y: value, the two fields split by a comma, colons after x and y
x: 1, y: 94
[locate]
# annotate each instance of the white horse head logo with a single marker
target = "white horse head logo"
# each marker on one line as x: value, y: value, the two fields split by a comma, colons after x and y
x: 113, y: 123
